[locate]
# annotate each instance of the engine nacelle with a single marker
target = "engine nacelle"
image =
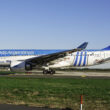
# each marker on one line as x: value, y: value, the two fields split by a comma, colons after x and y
x: 28, y: 66
x: 20, y: 66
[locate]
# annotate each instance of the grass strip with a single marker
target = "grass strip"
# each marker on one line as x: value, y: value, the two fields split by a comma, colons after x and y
x: 56, y: 92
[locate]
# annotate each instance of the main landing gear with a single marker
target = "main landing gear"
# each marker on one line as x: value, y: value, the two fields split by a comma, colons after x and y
x: 50, y: 71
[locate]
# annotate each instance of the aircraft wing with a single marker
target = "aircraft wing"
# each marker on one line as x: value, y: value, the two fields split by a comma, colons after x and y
x: 107, y: 59
x: 104, y: 60
x: 44, y: 59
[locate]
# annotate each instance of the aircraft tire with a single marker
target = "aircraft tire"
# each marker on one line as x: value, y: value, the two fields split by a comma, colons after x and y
x: 48, y: 71
x: 45, y: 71
x: 52, y: 72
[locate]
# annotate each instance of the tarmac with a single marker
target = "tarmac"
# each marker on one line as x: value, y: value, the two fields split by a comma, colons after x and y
x: 21, y: 107
x: 62, y: 74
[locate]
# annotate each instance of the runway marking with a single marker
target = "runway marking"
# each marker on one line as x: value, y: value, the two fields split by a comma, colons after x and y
x: 83, y: 76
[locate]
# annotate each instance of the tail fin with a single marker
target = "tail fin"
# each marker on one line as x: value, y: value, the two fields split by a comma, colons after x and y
x: 107, y: 48
x: 83, y: 46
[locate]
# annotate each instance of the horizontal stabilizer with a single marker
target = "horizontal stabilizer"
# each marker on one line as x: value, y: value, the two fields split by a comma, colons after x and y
x: 107, y: 48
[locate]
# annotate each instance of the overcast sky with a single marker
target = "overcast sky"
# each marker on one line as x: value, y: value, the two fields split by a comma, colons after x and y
x: 54, y: 24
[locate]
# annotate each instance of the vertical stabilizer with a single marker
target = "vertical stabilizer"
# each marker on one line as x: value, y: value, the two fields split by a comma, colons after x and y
x: 107, y: 48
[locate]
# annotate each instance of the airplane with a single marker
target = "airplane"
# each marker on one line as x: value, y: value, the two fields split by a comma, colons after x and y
x: 49, y: 60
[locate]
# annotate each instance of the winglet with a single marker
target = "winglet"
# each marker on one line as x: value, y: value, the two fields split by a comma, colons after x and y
x: 83, y: 46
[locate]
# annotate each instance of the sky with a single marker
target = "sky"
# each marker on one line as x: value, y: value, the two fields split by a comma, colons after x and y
x: 54, y: 24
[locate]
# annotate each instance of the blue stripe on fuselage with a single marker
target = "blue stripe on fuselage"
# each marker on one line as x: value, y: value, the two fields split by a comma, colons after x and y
x: 85, y: 57
x: 76, y: 59
x: 80, y: 59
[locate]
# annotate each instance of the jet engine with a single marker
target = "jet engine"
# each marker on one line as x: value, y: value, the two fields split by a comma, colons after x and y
x: 20, y: 66
x: 28, y: 66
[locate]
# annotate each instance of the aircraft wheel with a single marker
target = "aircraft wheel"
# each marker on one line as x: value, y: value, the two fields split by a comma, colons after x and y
x: 45, y: 71
x: 48, y: 71
x: 52, y: 72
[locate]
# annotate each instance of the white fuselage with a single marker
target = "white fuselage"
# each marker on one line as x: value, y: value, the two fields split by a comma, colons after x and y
x: 77, y: 59
x: 82, y: 59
